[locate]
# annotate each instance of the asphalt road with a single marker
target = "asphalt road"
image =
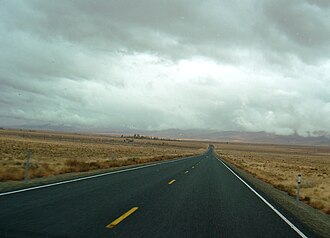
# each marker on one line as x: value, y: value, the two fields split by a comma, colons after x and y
x: 194, y: 197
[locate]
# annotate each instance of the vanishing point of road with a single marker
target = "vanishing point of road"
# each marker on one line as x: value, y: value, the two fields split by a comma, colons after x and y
x: 192, y: 197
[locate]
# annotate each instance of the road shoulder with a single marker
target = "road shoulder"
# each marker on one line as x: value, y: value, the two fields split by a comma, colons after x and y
x: 316, y: 221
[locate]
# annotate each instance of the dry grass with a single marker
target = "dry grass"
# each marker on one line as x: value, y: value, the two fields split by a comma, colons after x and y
x: 58, y: 153
x: 280, y: 166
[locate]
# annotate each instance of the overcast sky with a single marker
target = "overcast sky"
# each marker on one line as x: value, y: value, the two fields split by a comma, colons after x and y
x: 226, y: 65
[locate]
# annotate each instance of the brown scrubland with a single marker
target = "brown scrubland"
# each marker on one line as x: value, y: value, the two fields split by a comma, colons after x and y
x: 280, y: 165
x: 55, y: 153
x: 58, y: 153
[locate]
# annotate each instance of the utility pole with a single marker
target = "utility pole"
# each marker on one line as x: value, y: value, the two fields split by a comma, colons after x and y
x: 27, y: 165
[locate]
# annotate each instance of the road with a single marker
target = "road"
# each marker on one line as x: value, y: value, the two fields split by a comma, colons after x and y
x: 193, y: 197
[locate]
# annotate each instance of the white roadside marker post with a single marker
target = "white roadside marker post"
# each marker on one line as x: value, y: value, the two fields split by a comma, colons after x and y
x: 27, y: 164
x: 298, y: 191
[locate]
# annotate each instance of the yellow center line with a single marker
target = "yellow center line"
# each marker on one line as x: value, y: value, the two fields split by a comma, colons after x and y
x: 122, y: 217
x: 172, y: 181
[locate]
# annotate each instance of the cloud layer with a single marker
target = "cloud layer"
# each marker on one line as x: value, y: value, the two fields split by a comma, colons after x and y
x: 225, y: 65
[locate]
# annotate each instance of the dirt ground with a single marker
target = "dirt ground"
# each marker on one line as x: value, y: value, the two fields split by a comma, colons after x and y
x: 58, y: 153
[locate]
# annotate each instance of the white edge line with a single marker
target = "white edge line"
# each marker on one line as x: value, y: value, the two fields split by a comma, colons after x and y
x: 92, y: 176
x: 267, y: 203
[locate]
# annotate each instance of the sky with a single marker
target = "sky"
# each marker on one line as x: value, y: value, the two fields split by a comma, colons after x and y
x: 253, y: 65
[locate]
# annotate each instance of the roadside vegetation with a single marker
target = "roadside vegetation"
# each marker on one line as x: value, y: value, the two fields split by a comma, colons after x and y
x: 59, y: 153
x: 279, y: 165
x: 53, y: 154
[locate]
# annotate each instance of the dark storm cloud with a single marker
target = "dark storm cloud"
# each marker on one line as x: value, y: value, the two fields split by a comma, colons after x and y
x: 242, y: 65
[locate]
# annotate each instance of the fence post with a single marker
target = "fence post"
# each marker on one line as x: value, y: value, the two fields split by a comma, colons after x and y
x: 298, y: 191
x: 27, y: 165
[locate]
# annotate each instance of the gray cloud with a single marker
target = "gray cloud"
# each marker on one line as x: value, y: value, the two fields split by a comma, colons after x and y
x: 226, y: 65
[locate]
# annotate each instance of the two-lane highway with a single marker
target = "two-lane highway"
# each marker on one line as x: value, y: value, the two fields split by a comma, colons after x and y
x: 193, y: 197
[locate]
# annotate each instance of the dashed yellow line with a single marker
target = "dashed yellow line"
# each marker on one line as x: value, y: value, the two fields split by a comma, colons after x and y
x: 121, y: 218
x: 172, y: 181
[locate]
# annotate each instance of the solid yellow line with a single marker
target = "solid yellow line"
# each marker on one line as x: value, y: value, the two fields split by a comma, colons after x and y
x: 122, y: 217
x: 172, y: 181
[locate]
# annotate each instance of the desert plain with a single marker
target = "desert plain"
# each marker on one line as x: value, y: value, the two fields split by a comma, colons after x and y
x: 54, y: 153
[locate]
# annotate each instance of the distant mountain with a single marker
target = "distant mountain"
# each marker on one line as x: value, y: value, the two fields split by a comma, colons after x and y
x: 51, y: 127
x: 316, y: 138
x: 235, y: 136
